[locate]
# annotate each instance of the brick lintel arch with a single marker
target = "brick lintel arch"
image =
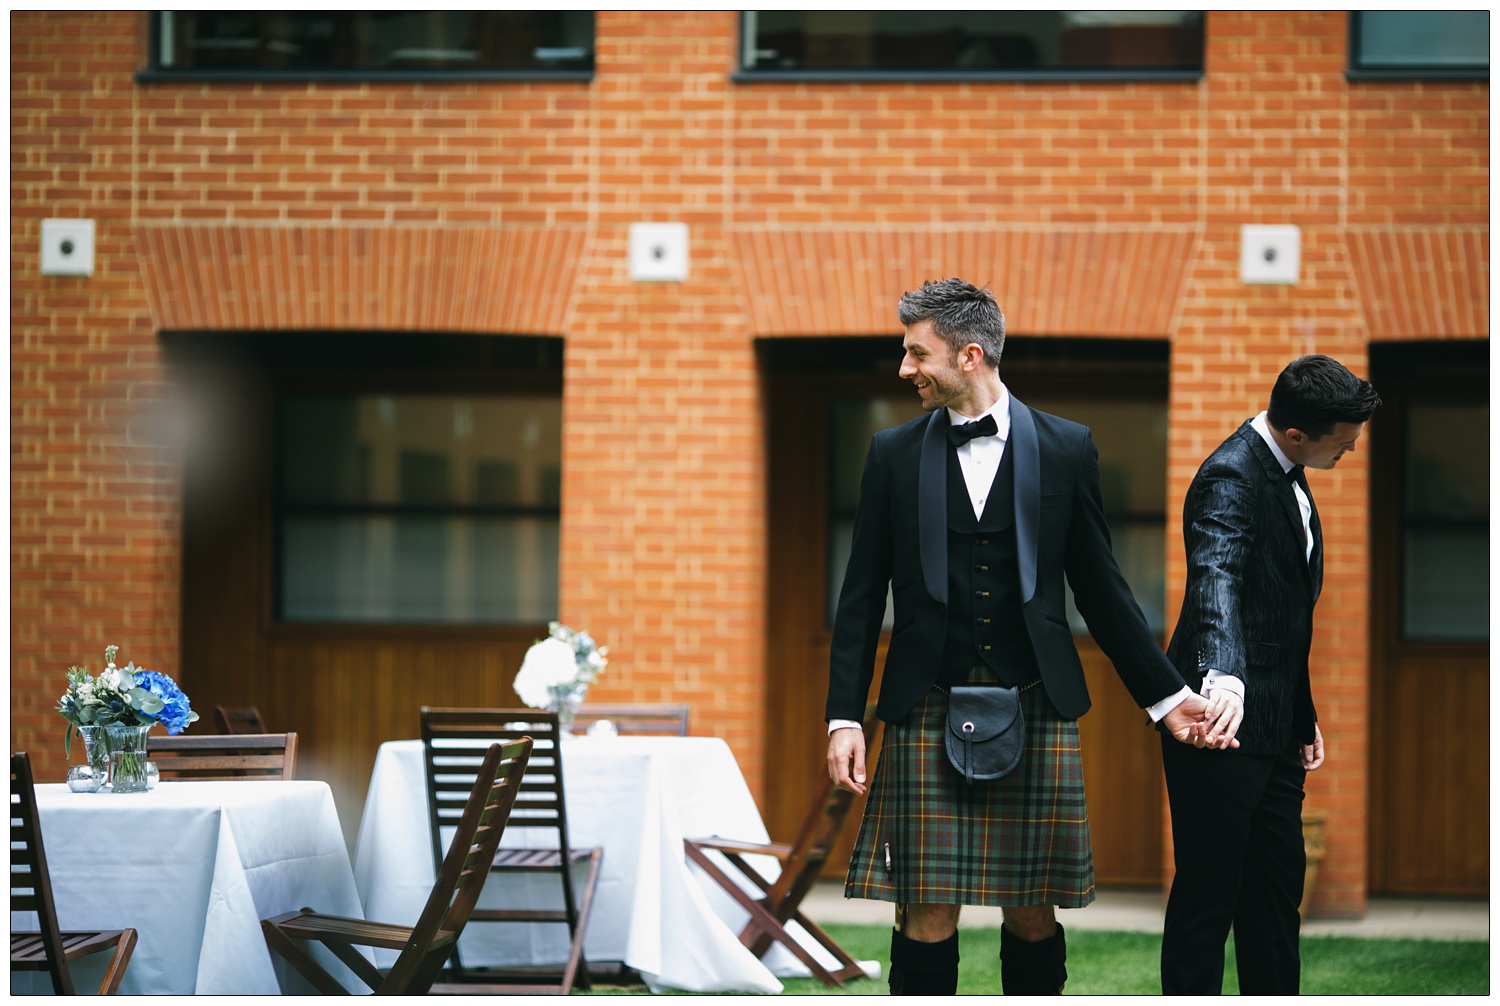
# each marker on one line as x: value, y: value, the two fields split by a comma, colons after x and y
x: 1417, y: 282
x: 227, y: 276
x: 1103, y: 282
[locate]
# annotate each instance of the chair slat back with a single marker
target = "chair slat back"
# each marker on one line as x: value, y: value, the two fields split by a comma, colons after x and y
x: 238, y: 720
x: 30, y: 885
x: 237, y: 756
x: 453, y: 744
x: 662, y: 719
x: 464, y: 868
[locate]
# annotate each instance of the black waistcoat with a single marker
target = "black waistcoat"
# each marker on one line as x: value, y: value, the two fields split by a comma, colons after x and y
x: 984, y: 586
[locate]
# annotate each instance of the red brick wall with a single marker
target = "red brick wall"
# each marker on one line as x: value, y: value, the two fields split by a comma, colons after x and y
x: 1091, y: 208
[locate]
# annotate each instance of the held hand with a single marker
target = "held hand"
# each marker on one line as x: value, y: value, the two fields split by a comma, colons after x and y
x: 1312, y: 754
x: 1188, y: 724
x: 1225, y: 711
x: 846, y: 759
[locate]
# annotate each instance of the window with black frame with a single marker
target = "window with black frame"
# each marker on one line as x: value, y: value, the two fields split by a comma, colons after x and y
x: 372, y: 43
x: 1416, y: 44
x: 972, y: 43
x: 418, y: 508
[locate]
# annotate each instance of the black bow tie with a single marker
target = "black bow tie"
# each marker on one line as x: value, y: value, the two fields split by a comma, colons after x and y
x: 1295, y: 475
x: 961, y: 433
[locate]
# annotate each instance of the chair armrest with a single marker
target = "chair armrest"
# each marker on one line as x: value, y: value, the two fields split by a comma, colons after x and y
x: 780, y: 850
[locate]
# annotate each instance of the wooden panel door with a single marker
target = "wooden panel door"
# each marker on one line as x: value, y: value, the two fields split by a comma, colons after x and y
x: 1430, y: 695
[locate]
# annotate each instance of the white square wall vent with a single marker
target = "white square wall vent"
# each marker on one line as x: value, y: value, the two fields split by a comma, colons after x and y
x: 659, y: 252
x: 1270, y: 254
x: 67, y: 247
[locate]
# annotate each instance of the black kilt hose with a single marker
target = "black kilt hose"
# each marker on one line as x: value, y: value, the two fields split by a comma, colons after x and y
x: 1022, y: 840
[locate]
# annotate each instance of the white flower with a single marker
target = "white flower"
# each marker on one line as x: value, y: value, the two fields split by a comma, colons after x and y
x: 548, y: 663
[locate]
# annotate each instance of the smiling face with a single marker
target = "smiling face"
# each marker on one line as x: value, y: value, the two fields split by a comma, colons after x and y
x: 934, y: 368
x: 1324, y: 452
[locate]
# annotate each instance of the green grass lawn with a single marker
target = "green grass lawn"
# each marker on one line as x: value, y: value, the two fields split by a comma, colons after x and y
x: 1105, y: 963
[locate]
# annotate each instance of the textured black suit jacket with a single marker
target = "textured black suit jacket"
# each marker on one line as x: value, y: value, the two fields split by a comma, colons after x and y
x: 900, y: 541
x: 1250, y: 590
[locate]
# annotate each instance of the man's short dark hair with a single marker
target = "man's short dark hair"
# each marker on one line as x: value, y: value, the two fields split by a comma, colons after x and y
x: 960, y: 313
x: 1315, y: 393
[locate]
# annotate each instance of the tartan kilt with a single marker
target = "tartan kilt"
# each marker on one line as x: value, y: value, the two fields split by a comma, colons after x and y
x: 1021, y: 840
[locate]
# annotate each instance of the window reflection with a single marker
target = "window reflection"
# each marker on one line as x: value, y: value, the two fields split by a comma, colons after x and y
x: 1445, y: 523
x: 419, y: 509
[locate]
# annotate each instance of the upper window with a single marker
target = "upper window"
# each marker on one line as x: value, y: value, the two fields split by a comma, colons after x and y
x: 1000, y: 44
x: 1426, y: 43
x: 372, y: 43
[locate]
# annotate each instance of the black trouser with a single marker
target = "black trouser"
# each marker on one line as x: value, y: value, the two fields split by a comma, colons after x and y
x: 1237, y: 836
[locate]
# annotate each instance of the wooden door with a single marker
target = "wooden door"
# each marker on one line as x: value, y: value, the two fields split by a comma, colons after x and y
x: 1122, y: 761
x: 1429, y: 731
x: 344, y: 688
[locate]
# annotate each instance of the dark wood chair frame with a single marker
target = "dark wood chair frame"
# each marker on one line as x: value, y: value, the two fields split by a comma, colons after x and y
x: 425, y: 947
x: 450, y: 740
x: 780, y: 900
x: 217, y: 756
x: 239, y: 720
x: 665, y: 719
x: 50, y: 949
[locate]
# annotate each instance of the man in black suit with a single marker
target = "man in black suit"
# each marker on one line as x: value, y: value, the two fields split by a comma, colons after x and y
x: 1255, y: 568
x: 973, y: 516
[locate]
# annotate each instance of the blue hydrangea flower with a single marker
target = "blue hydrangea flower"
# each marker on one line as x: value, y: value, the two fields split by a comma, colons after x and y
x: 175, y: 712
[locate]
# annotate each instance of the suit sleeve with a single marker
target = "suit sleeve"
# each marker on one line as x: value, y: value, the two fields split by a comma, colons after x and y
x: 1103, y: 595
x: 861, y: 608
x: 1218, y: 521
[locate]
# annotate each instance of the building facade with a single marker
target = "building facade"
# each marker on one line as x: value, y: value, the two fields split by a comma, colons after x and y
x: 365, y: 385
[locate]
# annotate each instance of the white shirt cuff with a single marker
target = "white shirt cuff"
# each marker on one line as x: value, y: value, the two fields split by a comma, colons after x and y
x: 1219, y: 679
x: 843, y: 724
x: 1157, y: 710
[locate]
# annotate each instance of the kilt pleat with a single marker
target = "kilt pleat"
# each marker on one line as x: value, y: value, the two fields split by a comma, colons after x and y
x: 928, y: 837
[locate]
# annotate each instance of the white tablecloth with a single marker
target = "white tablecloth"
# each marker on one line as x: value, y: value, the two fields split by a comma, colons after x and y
x: 193, y: 867
x: 638, y: 797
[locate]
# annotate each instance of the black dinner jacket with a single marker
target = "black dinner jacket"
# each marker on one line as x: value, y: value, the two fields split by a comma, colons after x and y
x: 900, y: 541
x: 1250, y: 590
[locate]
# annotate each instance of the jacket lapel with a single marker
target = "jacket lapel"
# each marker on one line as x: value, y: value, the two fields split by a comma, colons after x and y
x: 932, y: 506
x: 1282, y: 490
x: 1027, y: 458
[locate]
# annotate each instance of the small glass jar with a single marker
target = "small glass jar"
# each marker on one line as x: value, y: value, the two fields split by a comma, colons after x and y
x: 83, y: 779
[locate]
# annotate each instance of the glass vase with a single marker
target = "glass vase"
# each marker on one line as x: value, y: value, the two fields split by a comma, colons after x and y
x: 96, y: 751
x: 127, y: 757
x: 564, y: 701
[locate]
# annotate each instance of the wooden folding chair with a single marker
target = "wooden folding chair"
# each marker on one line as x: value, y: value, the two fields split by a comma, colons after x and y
x: 233, y: 756
x: 662, y: 719
x: 780, y: 900
x: 49, y: 949
x: 425, y: 946
x: 450, y: 739
x: 238, y: 720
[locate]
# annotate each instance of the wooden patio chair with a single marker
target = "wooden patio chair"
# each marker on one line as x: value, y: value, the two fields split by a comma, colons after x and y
x: 50, y: 949
x: 450, y: 740
x: 234, y: 756
x: 662, y: 719
x: 779, y: 901
x: 238, y: 720
x: 425, y: 946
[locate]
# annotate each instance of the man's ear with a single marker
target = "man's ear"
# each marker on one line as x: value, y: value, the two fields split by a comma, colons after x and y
x: 1295, y: 436
x: 971, y: 356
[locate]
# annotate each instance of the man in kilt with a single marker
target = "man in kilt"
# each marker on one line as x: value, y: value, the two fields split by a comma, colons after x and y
x: 972, y: 516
